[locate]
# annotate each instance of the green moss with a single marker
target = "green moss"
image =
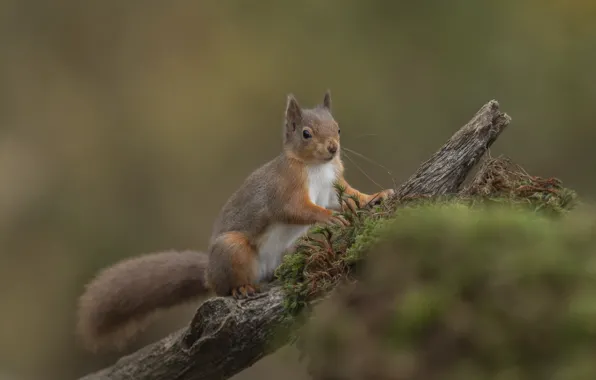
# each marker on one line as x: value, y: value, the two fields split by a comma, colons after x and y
x: 452, y: 292
x: 329, y: 255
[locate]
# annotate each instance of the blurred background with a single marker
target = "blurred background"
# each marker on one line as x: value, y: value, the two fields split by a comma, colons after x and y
x: 125, y: 125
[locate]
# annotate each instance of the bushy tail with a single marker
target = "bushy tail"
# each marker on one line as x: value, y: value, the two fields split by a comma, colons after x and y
x: 121, y: 299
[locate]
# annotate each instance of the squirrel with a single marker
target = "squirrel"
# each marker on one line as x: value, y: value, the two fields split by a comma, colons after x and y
x: 256, y: 227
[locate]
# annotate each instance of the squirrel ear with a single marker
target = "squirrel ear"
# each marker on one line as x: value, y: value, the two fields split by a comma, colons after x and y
x: 293, y: 112
x: 327, y: 100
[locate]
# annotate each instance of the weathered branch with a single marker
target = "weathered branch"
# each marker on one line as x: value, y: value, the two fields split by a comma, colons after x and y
x: 446, y: 170
x: 227, y: 336
x: 224, y: 337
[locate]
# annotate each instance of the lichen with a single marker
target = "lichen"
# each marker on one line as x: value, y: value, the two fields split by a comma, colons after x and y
x: 329, y: 255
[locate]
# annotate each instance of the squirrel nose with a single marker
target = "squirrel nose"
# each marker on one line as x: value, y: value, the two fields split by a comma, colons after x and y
x: 332, y: 149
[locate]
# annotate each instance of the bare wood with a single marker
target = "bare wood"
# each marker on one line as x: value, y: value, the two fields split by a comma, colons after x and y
x: 228, y: 336
x: 447, y: 169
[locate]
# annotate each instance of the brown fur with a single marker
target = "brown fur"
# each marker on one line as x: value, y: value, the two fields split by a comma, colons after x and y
x: 238, y: 257
x: 119, y: 298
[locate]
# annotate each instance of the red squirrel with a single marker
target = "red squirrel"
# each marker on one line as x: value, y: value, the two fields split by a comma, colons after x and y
x: 258, y: 224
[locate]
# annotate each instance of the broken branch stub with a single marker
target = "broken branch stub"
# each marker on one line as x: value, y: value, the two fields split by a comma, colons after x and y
x: 447, y: 169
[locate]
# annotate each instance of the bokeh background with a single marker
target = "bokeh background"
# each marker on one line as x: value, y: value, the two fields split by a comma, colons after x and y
x: 125, y: 125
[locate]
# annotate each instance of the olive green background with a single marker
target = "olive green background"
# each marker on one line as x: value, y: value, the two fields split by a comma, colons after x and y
x: 124, y: 125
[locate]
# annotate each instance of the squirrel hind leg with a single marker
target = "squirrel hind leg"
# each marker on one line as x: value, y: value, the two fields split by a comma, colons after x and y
x: 245, y: 291
x: 233, y: 266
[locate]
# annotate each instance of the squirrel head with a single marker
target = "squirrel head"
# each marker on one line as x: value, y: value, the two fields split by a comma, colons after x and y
x: 311, y: 135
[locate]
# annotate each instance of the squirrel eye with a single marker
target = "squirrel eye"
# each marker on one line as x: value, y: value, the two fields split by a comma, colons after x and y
x: 339, y: 131
x: 306, y: 134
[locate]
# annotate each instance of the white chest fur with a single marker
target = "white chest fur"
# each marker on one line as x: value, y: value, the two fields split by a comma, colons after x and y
x: 320, y: 185
x: 279, y: 237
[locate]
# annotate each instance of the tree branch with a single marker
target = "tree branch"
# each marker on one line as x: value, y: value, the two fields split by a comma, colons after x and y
x: 227, y: 336
x: 447, y: 169
x: 224, y: 337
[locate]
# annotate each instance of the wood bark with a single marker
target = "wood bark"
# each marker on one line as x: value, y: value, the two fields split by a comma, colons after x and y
x: 446, y: 170
x: 227, y: 336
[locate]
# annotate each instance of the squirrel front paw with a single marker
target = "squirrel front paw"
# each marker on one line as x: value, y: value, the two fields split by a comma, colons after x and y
x: 377, y: 198
x: 337, y: 220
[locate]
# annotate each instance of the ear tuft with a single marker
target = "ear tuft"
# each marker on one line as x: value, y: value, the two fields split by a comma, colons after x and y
x: 327, y: 100
x: 293, y: 112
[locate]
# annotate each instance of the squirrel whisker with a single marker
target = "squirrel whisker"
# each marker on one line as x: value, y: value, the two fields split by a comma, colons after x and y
x: 360, y: 168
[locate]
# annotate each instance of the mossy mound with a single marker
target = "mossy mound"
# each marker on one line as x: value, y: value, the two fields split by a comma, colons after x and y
x: 331, y: 254
x: 453, y: 292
